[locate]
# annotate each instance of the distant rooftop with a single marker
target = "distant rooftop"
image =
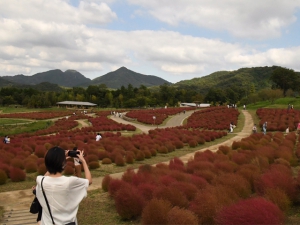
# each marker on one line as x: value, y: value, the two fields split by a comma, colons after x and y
x: 76, y: 103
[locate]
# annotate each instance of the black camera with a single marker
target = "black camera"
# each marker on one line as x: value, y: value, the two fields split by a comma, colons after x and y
x: 73, y: 153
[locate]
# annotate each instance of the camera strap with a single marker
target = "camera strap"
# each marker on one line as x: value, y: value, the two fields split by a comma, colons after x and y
x: 46, y: 200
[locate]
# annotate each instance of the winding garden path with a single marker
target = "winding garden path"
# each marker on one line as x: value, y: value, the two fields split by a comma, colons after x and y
x: 16, y: 203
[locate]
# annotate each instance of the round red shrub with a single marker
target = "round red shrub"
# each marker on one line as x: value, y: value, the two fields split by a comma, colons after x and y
x: 193, y: 143
x: 40, y: 151
x: 94, y: 165
x: 162, y: 149
x: 224, y: 149
x: 5, y: 168
x: 105, y: 182
x: 119, y: 160
x: 129, y: 202
x: 17, y: 175
x: 42, y: 169
x: 140, y: 156
x: 173, y: 195
x: 205, y: 206
x: 17, y: 163
x: 249, y: 212
x: 115, y: 184
x: 3, y: 177
x: 155, y: 212
x: 102, y: 154
x: 129, y: 159
x: 190, y: 190
x: 181, y: 216
x: 31, y: 167
x: 69, y: 170
x: 92, y: 158
x: 279, y: 198
x: 147, y: 190
x: 106, y: 161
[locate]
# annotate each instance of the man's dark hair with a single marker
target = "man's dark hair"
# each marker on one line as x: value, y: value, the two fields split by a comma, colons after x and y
x: 55, y: 160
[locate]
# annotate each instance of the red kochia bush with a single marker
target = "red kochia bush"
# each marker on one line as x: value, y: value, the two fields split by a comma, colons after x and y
x: 249, y: 212
x: 17, y: 175
x: 204, y: 206
x: 155, y: 212
x: 42, y: 169
x: 129, y: 202
x: 181, y: 216
x: 175, y: 196
x: 3, y: 177
x: 31, y: 167
x: 105, y: 182
x: 277, y: 177
x: 115, y: 185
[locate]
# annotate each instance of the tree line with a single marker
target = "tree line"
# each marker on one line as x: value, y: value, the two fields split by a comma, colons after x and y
x: 285, y: 82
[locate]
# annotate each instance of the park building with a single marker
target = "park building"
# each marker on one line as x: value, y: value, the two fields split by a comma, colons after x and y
x: 199, y: 105
x: 76, y: 105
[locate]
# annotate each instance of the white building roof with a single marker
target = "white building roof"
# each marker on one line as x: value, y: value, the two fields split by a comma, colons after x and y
x: 76, y: 103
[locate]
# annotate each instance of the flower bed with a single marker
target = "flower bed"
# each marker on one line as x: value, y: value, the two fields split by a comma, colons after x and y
x: 215, y: 118
x: 240, y: 185
x: 36, y: 115
x: 279, y: 119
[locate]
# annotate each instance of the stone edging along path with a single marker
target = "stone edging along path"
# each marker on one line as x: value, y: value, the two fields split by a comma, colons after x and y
x: 16, y: 203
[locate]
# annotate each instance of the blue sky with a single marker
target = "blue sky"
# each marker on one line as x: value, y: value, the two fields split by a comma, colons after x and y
x: 173, y: 39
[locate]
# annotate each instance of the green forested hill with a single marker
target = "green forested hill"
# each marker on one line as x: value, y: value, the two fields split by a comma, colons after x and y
x: 124, y: 76
x: 247, y: 78
x: 69, y: 78
x: 44, y: 86
x: 5, y: 83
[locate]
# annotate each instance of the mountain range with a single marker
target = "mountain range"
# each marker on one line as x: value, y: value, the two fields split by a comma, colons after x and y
x: 72, y: 78
x: 250, y: 78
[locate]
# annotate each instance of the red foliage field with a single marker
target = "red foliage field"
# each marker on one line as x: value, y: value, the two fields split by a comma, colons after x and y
x: 214, y: 118
x: 279, y: 119
x: 239, y: 185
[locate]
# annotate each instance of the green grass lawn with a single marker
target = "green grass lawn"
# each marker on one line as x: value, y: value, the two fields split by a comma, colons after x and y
x: 8, y: 121
x: 19, y: 128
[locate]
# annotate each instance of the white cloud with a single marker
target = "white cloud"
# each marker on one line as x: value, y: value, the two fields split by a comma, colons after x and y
x: 38, y: 35
x: 246, y: 18
x: 57, y: 11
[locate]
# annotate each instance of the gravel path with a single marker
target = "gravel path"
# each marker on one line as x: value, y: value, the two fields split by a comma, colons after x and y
x: 16, y: 203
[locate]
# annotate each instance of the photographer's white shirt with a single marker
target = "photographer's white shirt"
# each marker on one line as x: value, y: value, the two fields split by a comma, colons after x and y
x: 64, y: 195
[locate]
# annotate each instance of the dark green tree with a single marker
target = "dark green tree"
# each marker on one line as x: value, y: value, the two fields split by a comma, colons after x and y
x: 285, y: 79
